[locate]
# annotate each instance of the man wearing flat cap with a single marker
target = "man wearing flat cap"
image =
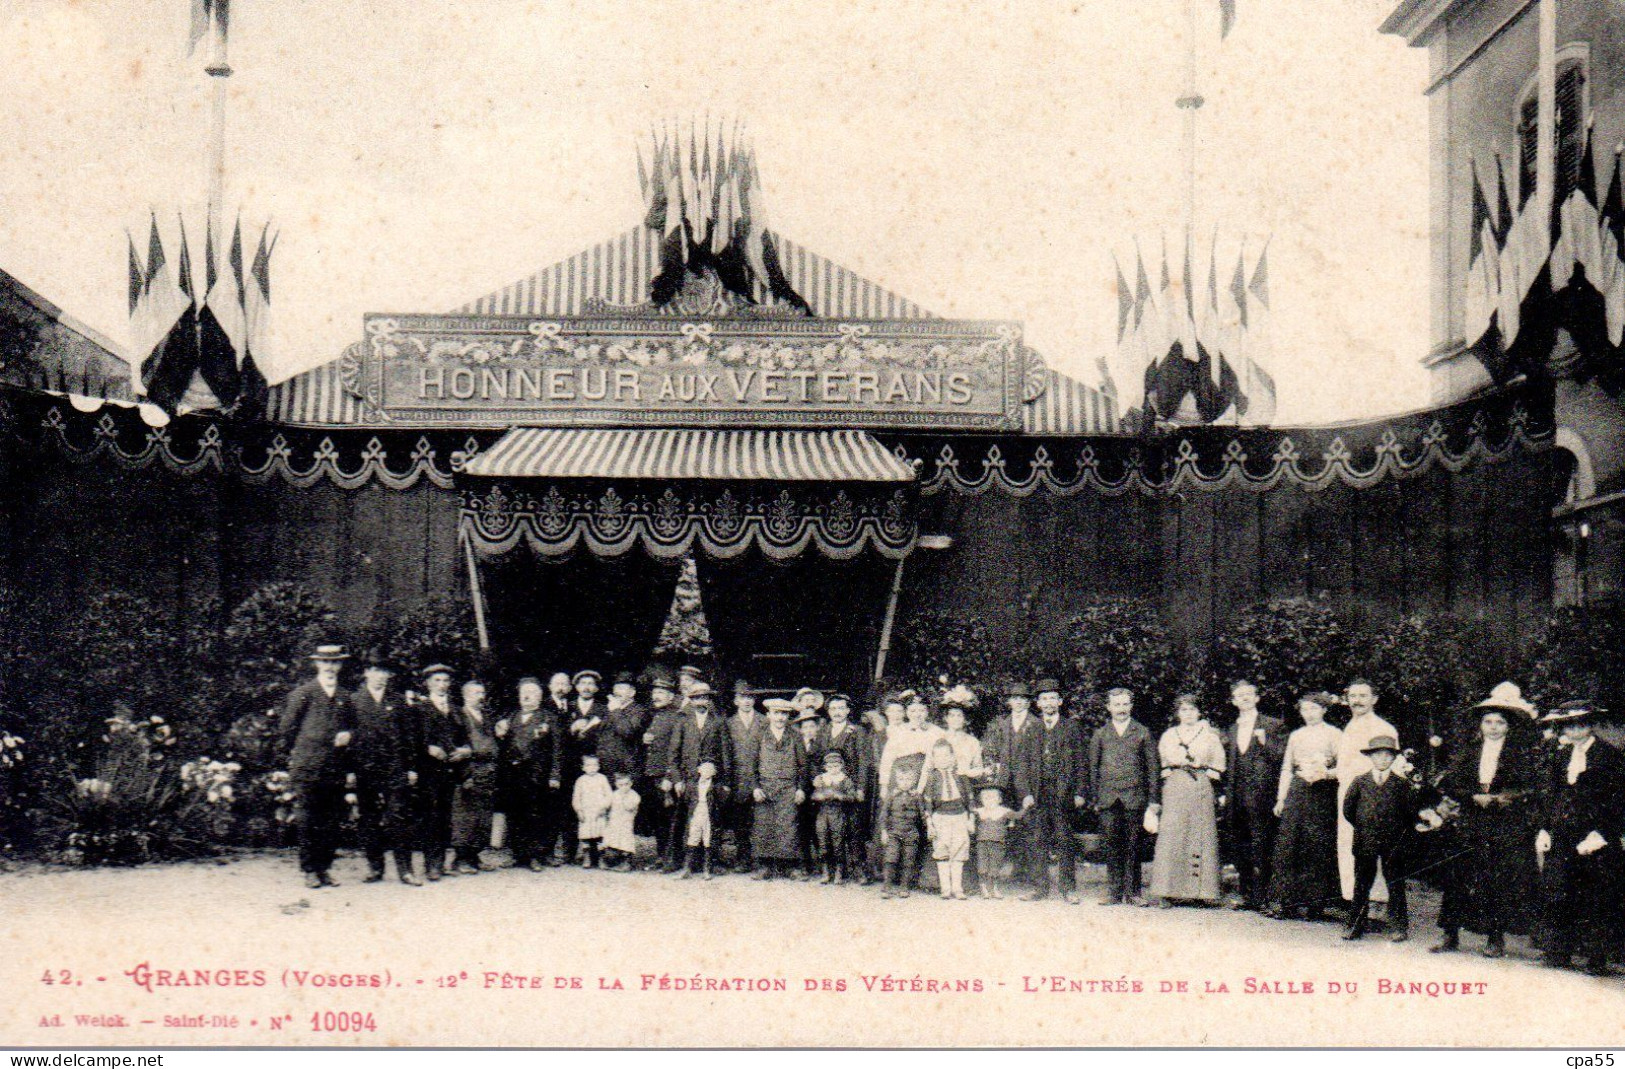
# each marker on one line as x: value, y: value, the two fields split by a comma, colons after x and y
x: 383, y: 753
x: 743, y: 725
x: 701, y: 735
x: 656, y: 814
x: 1579, y: 843
x: 446, y: 750
x: 318, y: 722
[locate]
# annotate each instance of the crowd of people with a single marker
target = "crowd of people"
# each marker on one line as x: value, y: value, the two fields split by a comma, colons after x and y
x: 1522, y: 823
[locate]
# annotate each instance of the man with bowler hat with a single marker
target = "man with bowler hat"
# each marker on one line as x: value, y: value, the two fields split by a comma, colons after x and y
x: 318, y: 723
x: 1001, y: 751
x: 383, y: 753
x: 1051, y: 778
x: 743, y: 725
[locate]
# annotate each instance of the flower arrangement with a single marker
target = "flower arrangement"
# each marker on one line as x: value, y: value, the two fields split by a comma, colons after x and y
x: 278, y: 786
x: 11, y: 751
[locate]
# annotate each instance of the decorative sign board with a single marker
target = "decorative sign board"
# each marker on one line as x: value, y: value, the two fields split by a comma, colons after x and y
x: 667, y: 371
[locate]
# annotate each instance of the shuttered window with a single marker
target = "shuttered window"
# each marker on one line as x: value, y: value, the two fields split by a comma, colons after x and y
x: 1571, y: 81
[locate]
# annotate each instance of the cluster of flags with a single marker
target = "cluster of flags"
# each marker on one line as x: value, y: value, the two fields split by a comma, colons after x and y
x: 1541, y: 269
x: 1189, y: 356
x: 203, y: 342
x: 704, y: 194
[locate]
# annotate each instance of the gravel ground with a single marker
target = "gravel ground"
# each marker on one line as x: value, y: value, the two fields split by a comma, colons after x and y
x: 493, y: 959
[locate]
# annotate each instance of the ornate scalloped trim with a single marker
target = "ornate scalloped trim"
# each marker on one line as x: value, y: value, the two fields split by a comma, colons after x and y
x: 158, y: 447
x: 673, y: 524
x: 1336, y: 465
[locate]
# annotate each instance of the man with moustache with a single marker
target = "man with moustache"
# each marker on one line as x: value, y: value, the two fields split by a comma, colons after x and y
x: 383, y: 752
x: 1001, y: 750
x: 529, y: 753
x: 1254, y: 746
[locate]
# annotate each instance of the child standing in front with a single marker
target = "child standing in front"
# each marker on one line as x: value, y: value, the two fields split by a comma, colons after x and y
x: 834, y: 794
x: 900, y: 826
x: 947, y: 797
x: 591, y: 800
x: 620, y: 836
x: 704, y: 812
x: 993, y: 820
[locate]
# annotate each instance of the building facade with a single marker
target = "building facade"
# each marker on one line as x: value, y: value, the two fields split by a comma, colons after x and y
x: 1483, y: 96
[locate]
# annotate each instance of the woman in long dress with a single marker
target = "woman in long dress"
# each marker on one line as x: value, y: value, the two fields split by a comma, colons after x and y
x: 1185, y: 866
x: 1305, y: 865
x: 1491, y: 879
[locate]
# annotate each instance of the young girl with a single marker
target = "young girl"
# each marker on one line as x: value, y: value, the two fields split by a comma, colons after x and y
x: 993, y: 819
x: 620, y: 837
x: 946, y: 795
x: 701, y: 818
x: 591, y: 800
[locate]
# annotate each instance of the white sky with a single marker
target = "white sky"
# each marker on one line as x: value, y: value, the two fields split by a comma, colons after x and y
x: 983, y: 159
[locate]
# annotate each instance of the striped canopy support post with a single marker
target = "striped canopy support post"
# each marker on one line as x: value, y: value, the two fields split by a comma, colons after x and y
x: 891, y: 617
x: 476, y: 593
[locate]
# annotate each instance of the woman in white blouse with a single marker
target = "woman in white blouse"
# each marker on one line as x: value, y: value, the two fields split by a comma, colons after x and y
x: 1186, y: 864
x: 1305, y: 877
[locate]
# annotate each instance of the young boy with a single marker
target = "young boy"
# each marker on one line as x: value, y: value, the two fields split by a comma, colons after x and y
x: 702, y: 819
x: 1381, y: 804
x: 993, y: 820
x: 591, y: 800
x: 947, y: 796
x: 835, y: 795
x: 900, y: 826
x: 620, y: 837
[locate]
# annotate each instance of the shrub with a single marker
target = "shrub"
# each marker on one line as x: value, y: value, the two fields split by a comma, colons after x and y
x: 262, y: 651
x: 138, y: 805
x: 1426, y: 670
x: 1285, y: 647
x: 1122, y: 642
x: 1579, y: 653
x: 686, y: 635
x: 440, y: 628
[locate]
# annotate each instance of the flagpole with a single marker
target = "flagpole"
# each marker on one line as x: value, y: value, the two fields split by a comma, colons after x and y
x: 1546, y: 128
x: 218, y: 70
x: 1190, y: 104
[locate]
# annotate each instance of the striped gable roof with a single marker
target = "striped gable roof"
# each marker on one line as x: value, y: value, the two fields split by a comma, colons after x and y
x: 619, y: 272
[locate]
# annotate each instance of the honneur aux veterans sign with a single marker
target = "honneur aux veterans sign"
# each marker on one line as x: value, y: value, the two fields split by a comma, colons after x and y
x: 926, y: 374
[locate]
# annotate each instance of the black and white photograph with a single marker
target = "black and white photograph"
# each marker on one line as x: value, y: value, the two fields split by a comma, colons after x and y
x: 812, y: 525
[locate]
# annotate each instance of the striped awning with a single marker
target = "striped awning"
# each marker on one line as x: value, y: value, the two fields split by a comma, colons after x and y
x: 601, y: 453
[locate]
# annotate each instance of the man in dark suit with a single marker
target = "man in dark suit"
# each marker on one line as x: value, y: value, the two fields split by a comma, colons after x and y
x: 1125, y: 778
x: 317, y: 723
x: 1582, y: 825
x: 655, y: 811
x: 621, y: 737
x: 383, y: 753
x: 852, y: 741
x: 1051, y: 774
x: 1381, y: 805
x: 528, y: 747
x: 1001, y: 750
x: 561, y: 825
x: 701, y: 735
x: 742, y: 729
x: 1253, y: 749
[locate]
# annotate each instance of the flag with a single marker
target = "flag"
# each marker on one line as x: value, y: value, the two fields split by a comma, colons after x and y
x: 1127, y: 363
x: 207, y: 14
x: 1612, y: 279
x: 1227, y: 18
x: 1578, y: 245
x: 170, y: 364
x: 1215, y: 325
x: 158, y: 316
x: 1125, y: 300
x: 1187, y: 327
x: 221, y: 325
x: 257, y: 344
x: 1259, y: 373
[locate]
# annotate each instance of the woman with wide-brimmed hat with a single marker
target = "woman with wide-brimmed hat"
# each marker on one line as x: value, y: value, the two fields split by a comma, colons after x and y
x: 1489, y: 881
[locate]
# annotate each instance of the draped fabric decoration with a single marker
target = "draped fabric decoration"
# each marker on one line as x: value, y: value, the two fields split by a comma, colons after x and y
x: 564, y: 613
x: 778, y: 622
x: 669, y: 520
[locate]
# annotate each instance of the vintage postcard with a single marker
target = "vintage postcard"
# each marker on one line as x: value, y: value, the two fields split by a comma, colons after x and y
x: 812, y: 524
